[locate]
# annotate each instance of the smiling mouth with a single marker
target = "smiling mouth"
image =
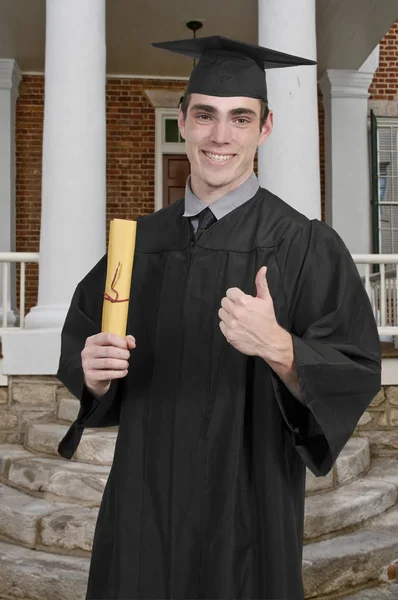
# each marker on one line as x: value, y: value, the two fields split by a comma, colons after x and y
x: 220, y: 159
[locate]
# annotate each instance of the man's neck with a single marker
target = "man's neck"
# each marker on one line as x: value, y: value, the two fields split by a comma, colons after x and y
x: 210, y: 194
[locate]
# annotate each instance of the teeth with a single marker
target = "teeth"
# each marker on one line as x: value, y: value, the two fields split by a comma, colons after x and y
x: 219, y: 157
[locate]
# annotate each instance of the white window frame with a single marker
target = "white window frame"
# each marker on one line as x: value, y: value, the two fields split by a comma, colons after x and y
x: 162, y: 147
x: 391, y: 122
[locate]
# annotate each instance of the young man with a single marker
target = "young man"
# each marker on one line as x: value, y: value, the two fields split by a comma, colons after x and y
x: 255, y: 353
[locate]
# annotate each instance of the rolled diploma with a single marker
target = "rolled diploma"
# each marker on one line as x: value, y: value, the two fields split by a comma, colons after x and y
x: 121, y: 248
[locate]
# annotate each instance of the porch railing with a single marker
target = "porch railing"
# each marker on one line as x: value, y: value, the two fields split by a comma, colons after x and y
x: 382, y: 288
x: 7, y: 261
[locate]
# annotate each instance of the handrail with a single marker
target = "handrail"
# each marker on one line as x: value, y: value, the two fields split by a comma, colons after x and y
x: 15, y: 257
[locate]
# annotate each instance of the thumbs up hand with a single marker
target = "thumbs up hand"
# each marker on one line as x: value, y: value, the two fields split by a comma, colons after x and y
x: 249, y: 324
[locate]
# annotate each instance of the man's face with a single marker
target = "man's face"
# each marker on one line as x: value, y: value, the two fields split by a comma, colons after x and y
x: 221, y: 138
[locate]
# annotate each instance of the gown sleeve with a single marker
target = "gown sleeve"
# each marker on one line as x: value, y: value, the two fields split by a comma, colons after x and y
x: 82, y: 321
x: 336, y: 348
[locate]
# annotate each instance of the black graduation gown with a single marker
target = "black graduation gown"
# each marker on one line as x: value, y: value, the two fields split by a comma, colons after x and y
x: 205, y: 498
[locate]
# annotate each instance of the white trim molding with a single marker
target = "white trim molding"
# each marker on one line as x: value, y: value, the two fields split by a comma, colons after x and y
x: 384, y: 108
x: 164, y: 98
x: 124, y: 76
x: 10, y: 74
x: 337, y: 83
x: 163, y: 148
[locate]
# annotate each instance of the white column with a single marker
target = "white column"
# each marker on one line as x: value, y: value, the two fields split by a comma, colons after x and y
x: 72, y: 236
x: 288, y: 162
x: 347, y: 170
x: 10, y: 77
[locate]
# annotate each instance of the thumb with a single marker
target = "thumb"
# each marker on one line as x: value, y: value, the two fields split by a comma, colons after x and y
x: 261, y: 283
x: 130, y: 342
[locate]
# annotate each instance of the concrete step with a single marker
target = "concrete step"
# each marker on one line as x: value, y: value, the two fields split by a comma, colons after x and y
x: 68, y: 409
x: 97, y: 446
x: 347, y: 506
x: 31, y: 575
x: 73, y: 481
x: 354, y: 461
x: 352, y: 560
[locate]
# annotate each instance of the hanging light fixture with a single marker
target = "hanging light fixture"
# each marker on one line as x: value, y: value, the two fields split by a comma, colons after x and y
x: 194, y: 26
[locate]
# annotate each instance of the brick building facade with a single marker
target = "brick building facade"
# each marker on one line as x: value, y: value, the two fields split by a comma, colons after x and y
x: 130, y: 147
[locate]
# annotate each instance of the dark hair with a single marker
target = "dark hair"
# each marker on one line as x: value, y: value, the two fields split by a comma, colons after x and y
x: 184, y: 103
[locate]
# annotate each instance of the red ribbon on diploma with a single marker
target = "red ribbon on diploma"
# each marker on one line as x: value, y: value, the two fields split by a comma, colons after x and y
x: 107, y: 296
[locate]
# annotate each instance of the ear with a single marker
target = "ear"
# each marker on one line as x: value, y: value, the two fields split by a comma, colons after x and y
x: 181, y: 123
x: 266, y: 129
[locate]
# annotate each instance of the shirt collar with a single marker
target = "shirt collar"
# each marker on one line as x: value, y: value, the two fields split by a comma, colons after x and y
x: 225, y: 204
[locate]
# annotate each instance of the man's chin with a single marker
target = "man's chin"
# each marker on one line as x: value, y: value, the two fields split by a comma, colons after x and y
x: 218, y: 182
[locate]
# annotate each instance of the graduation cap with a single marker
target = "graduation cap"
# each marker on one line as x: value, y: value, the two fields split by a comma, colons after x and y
x: 230, y: 68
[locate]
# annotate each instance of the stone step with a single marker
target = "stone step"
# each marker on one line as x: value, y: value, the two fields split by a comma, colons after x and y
x: 68, y: 409
x: 20, y: 515
x: 32, y: 575
x: 385, y: 469
x: 347, y: 506
x: 329, y: 567
x: 7, y: 453
x: 354, y: 460
x: 382, y: 443
x: 73, y: 481
x: 385, y: 592
x: 97, y: 446
x: 352, y: 560
x: 86, y: 482
x: 44, y: 525
x: 70, y: 529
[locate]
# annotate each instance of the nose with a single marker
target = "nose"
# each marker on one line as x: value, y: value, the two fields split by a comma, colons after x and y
x: 221, y: 133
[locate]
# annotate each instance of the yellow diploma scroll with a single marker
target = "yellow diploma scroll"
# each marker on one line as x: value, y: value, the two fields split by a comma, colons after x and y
x: 121, y: 248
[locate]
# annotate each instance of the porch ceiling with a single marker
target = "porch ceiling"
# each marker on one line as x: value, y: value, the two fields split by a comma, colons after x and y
x: 347, y: 32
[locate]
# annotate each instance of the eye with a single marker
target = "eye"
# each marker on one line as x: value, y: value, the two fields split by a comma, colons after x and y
x: 203, y: 117
x: 242, y: 120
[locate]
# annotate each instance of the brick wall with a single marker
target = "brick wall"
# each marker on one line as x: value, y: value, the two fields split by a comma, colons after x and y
x: 385, y: 82
x: 131, y: 146
x: 29, y: 137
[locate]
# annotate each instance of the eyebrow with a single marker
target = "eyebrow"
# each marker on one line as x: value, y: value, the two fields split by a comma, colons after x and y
x: 214, y: 111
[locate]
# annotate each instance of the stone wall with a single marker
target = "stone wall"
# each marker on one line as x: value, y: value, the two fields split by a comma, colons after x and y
x: 27, y: 399
x: 35, y: 399
x: 380, y: 422
x: 383, y: 411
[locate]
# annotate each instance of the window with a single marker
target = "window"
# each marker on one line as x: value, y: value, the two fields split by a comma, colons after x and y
x: 385, y: 184
x: 171, y: 132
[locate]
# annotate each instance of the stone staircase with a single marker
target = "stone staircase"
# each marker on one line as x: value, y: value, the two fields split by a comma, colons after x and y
x: 49, y: 506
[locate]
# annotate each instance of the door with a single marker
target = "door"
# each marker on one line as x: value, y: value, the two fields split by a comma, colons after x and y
x: 175, y: 173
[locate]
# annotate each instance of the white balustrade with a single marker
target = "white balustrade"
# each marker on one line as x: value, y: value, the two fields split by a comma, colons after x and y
x: 382, y: 289
x: 6, y: 260
x: 381, y: 286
